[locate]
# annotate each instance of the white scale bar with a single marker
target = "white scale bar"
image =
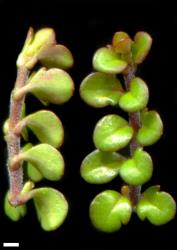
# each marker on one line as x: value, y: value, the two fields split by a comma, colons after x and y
x: 13, y: 244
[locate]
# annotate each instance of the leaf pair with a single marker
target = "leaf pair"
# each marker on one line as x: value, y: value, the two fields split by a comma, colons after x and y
x: 42, y: 47
x: 137, y: 50
x: 101, y: 167
x: 114, y: 58
x: 51, y: 207
x: 100, y: 89
x: 113, y: 133
x: 110, y: 209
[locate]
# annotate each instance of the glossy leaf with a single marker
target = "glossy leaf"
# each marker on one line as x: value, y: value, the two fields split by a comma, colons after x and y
x: 14, y: 213
x: 46, y: 126
x: 141, y: 46
x: 101, y: 167
x: 158, y: 207
x: 51, y: 207
x: 112, y: 133
x: 100, y: 90
x: 48, y: 161
x: 109, y: 210
x: 136, y: 98
x: 107, y: 61
x: 57, y: 56
x: 34, y: 45
x: 121, y: 42
x: 151, y: 128
x: 138, y: 169
x: 51, y: 86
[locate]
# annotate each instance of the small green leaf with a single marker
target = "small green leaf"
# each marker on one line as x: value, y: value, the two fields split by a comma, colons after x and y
x: 138, y: 169
x: 27, y: 188
x: 107, y: 61
x: 34, y: 45
x: 121, y: 42
x: 109, y: 210
x: 112, y: 133
x: 14, y: 213
x: 141, y: 46
x: 118, y: 37
x: 6, y: 127
x: 48, y: 161
x: 158, y: 207
x: 43, y: 38
x: 57, y: 56
x: 33, y: 173
x: 51, y: 207
x: 51, y: 86
x: 151, y: 128
x: 100, y: 89
x: 136, y: 98
x: 101, y: 167
x: 46, y: 126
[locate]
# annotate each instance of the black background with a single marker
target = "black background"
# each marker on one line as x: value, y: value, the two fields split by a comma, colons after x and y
x: 83, y: 27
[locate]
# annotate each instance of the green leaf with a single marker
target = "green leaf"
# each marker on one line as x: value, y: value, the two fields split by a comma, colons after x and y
x: 158, y: 207
x: 34, y: 45
x: 100, y: 90
x: 46, y: 126
x: 121, y: 42
x: 51, y: 207
x: 151, y: 128
x: 51, y: 86
x: 48, y: 161
x: 57, y: 56
x: 26, y: 190
x: 136, y: 98
x: 107, y: 61
x: 138, y: 169
x: 33, y: 173
x: 109, y: 210
x: 101, y: 167
x: 141, y: 46
x: 118, y: 37
x: 6, y: 127
x: 112, y: 133
x: 14, y: 213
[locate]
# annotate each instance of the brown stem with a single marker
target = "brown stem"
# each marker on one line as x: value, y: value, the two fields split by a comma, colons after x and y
x: 13, y: 140
x: 134, y: 120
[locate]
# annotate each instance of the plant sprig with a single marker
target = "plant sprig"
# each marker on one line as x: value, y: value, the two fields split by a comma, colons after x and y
x: 110, y: 209
x: 49, y: 84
